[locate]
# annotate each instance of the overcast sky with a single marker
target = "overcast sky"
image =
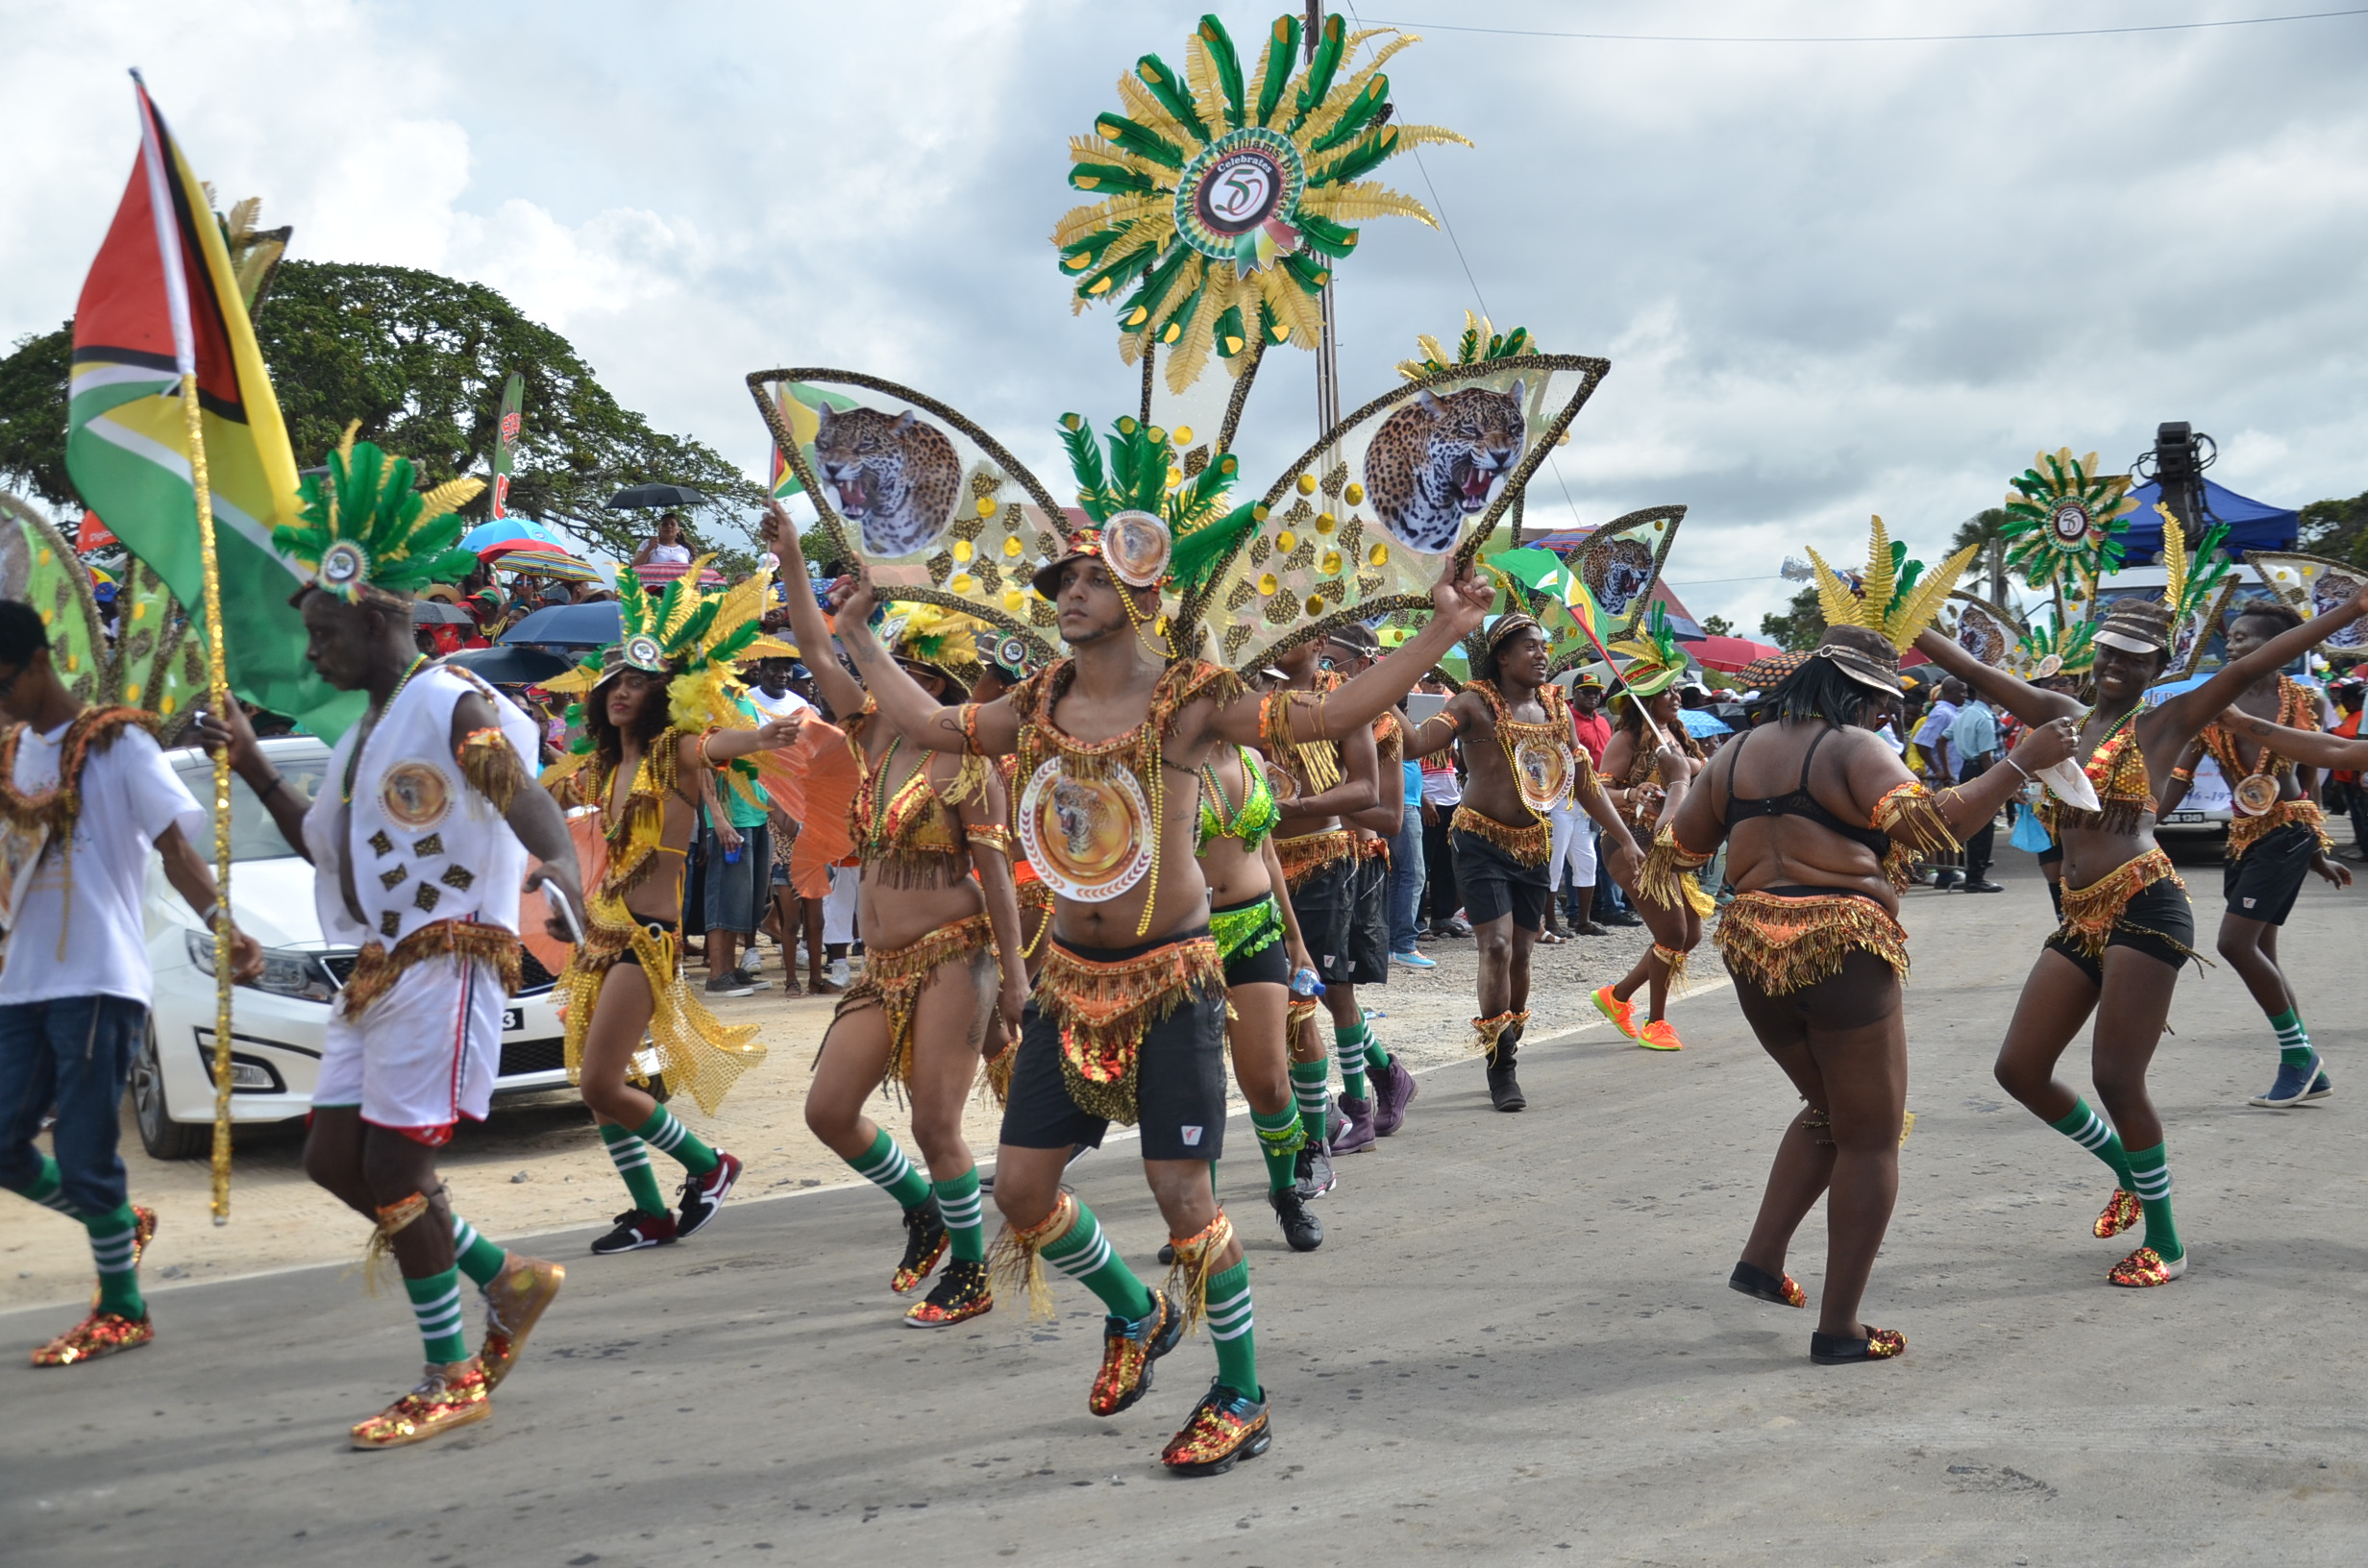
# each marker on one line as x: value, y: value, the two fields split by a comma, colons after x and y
x: 1831, y: 278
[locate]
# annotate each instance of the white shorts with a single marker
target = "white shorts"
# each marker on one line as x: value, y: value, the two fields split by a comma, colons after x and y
x: 424, y: 1055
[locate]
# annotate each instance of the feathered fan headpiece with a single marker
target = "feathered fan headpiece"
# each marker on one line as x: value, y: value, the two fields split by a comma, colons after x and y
x: 1886, y: 599
x: 365, y: 526
x: 941, y: 641
x: 1657, y: 662
x: 693, y: 637
x: 2190, y: 583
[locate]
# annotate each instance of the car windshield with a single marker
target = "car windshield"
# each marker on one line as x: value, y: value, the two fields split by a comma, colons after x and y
x: 254, y: 835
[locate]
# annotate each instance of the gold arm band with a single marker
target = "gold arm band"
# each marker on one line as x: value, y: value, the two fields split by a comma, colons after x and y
x: 991, y: 837
x: 491, y: 765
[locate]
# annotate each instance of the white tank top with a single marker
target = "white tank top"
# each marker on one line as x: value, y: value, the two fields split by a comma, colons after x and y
x: 424, y: 846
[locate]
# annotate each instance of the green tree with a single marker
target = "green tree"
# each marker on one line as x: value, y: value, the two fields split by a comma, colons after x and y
x: 2337, y: 528
x: 1717, y: 625
x: 1985, y: 528
x: 1802, y: 624
x: 419, y: 359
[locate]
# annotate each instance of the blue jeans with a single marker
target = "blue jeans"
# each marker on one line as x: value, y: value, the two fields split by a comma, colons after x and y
x: 74, y: 1054
x: 1406, y: 878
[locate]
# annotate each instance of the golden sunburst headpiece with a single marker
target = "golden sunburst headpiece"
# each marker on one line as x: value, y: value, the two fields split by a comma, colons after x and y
x: 1892, y: 598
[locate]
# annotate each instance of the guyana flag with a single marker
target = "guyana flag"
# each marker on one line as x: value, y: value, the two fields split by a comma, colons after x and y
x: 798, y: 402
x: 162, y: 303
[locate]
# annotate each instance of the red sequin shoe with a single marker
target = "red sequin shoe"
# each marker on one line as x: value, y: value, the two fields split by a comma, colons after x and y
x: 2122, y: 1212
x: 448, y: 1397
x: 962, y: 1293
x: 101, y: 1333
x: 1226, y: 1426
x: 514, y: 1303
x: 2145, y: 1268
x: 1836, y: 1350
x: 1127, y: 1352
x: 925, y: 1245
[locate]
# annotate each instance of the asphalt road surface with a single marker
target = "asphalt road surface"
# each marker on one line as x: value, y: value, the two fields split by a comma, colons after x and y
x: 1516, y: 1347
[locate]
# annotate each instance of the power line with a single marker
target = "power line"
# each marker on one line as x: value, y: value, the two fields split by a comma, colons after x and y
x: 1881, y: 38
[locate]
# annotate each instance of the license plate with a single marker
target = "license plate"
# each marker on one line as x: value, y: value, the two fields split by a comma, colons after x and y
x: 512, y: 1018
x: 2185, y: 817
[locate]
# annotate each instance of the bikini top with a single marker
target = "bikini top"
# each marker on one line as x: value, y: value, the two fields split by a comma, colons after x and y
x: 1253, y: 821
x: 909, y: 828
x: 1799, y: 802
x: 2295, y: 711
x: 2118, y: 770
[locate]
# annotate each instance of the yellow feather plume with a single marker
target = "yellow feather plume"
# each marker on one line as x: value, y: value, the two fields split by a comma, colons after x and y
x: 449, y: 497
x: 1840, y: 606
x: 1922, y: 606
x: 1880, y: 576
x: 686, y: 603
x: 2174, y: 560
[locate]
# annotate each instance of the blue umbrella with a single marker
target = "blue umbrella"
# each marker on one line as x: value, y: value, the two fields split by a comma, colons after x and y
x: 1701, y: 724
x: 509, y: 531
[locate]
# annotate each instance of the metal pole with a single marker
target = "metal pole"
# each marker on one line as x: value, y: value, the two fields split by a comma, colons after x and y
x: 1327, y: 361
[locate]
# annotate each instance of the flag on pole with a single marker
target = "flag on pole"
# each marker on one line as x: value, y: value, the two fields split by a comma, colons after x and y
x: 505, y: 440
x: 798, y: 404
x: 162, y: 295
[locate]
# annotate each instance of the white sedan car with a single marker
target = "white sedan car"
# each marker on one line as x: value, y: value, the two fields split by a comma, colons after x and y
x: 278, y: 1020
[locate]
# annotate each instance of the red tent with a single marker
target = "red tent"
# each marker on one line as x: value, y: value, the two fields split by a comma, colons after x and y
x: 1729, y: 654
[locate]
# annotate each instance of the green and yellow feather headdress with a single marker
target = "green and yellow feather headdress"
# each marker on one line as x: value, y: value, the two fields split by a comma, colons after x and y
x: 1892, y: 598
x: 693, y: 636
x: 365, y: 526
x: 1656, y: 662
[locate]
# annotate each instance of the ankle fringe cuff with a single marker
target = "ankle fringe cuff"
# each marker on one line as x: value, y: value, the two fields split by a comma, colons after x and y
x: 1486, y: 1031
x: 1188, y: 1277
x: 1016, y: 1262
x: 1674, y: 958
x: 380, y: 1254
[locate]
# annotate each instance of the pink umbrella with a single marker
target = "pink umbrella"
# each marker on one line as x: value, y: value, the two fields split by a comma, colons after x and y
x: 1729, y: 654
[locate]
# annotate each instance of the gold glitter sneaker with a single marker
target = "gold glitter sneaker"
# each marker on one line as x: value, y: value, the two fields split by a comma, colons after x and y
x: 447, y: 1396
x: 514, y: 1303
x: 2146, y: 1267
x: 962, y: 1293
x: 101, y: 1333
x: 2122, y: 1212
x: 1127, y: 1352
x: 1226, y: 1427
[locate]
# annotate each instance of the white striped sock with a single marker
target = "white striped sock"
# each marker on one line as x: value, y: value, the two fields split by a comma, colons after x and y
x: 2093, y: 1135
x: 57, y: 1201
x: 113, y: 1253
x: 669, y: 1133
x: 628, y: 1155
x: 960, y: 1214
x: 2153, y: 1185
x: 890, y: 1168
x: 2292, y: 1037
x: 1081, y: 1264
x: 1231, y: 1320
x: 464, y: 1235
x: 1311, y: 1096
x: 438, y: 1317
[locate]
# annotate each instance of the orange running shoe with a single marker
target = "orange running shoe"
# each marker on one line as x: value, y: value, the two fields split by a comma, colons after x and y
x: 1623, y: 1015
x: 101, y: 1333
x: 1659, y: 1036
x: 2146, y: 1267
x: 449, y: 1396
x: 2122, y: 1212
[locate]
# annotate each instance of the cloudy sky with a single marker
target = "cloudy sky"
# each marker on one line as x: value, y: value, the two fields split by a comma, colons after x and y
x: 1832, y: 277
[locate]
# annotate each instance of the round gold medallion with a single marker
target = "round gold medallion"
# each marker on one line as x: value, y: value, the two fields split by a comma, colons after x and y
x: 1090, y: 837
x: 414, y: 795
x: 1543, y: 771
x: 1281, y: 782
x: 2255, y: 794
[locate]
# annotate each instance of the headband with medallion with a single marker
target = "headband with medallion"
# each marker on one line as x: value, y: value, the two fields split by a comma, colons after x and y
x: 366, y: 529
x: 1887, y: 599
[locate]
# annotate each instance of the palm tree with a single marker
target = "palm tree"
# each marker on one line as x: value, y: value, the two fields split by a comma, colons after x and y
x: 1986, y: 528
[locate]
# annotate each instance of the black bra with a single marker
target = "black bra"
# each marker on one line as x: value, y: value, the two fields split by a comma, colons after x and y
x: 1799, y: 804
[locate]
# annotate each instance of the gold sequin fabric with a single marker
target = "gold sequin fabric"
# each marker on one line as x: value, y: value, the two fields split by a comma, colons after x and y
x: 2244, y: 832
x: 2141, y: 1270
x: 101, y: 1333
x: 1104, y: 1008
x: 377, y: 970
x: 1883, y: 1344
x: 894, y: 978
x: 516, y: 1302
x: 439, y: 1403
x: 1304, y: 856
x: 1211, y: 1436
x: 1196, y: 1257
x: 492, y: 767
x: 1786, y: 943
x: 695, y: 1050
x: 2091, y: 913
x: 2122, y: 1212
x: 1528, y: 843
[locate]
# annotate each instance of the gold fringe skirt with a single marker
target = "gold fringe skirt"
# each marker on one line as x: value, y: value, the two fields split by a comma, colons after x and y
x: 893, y: 979
x: 2244, y: 832
x: 2091, y: 913
x: 376, y: 971
x: 1668, y: 876
x: 1528, y: 843
x: 1303, y: 857
x: 1104, y: 1008
x: 694, y: 1051
x: 1783, y: 944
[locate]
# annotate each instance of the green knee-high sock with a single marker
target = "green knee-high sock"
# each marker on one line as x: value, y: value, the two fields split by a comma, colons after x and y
x: 47, y: 1190
x: 2293, y: 1040
x: 1230, y: 1326
x: 664, y: 1134
x: 112, y: 1235
x: 631, y: 1157
x: 1280, y: 1137
x: 885, y: 1166
x: 480, y: 1259
x: 436, y: 1302
x: 957, y: 1204
x: 1376, y: 1055
x: 1349, y: 1044
x: 2088, y: 1130
x: 1307, y: 1085
x: 2150, y: 1178
x: 1085, y: 1255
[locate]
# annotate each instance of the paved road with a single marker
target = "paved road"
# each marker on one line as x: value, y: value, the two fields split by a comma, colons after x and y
x: 1516, y: 1347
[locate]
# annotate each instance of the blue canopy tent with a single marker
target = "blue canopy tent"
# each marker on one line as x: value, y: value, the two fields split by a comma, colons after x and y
x: 2253, y: 524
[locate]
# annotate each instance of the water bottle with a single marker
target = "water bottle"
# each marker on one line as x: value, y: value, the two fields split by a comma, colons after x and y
x: 1306, y: 984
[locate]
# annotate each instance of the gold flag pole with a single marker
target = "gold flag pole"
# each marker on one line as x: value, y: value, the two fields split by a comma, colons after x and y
x: 218, y: 698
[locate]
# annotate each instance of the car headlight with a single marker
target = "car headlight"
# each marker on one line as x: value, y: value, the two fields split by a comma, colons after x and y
x: 287, y: 971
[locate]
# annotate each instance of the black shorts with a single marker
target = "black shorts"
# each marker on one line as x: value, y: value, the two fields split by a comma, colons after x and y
x: 2053, y: 854
x: 1326, y: 904
x: 1369, y: 936
x: 1493, y: 883
x: 2160, y: 911
x: 1269, y: 965
x: 1179, y: 1083
x: 2263, y: 883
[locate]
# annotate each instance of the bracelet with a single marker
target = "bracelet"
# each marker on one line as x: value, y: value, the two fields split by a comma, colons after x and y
x: 2029, y: 776
x: 2186, y: 775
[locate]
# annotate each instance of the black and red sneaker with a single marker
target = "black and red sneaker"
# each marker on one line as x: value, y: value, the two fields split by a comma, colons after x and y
x: 704, y: 1196
x: 635, y: 1231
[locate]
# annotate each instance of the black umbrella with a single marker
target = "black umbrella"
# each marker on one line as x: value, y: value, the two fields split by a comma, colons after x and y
x: 569, y: 626
x: 658, y: 495
x: 435, y: 612
x: 509, y: 666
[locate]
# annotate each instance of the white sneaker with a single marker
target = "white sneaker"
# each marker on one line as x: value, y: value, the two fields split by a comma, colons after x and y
x: 838, y: 972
